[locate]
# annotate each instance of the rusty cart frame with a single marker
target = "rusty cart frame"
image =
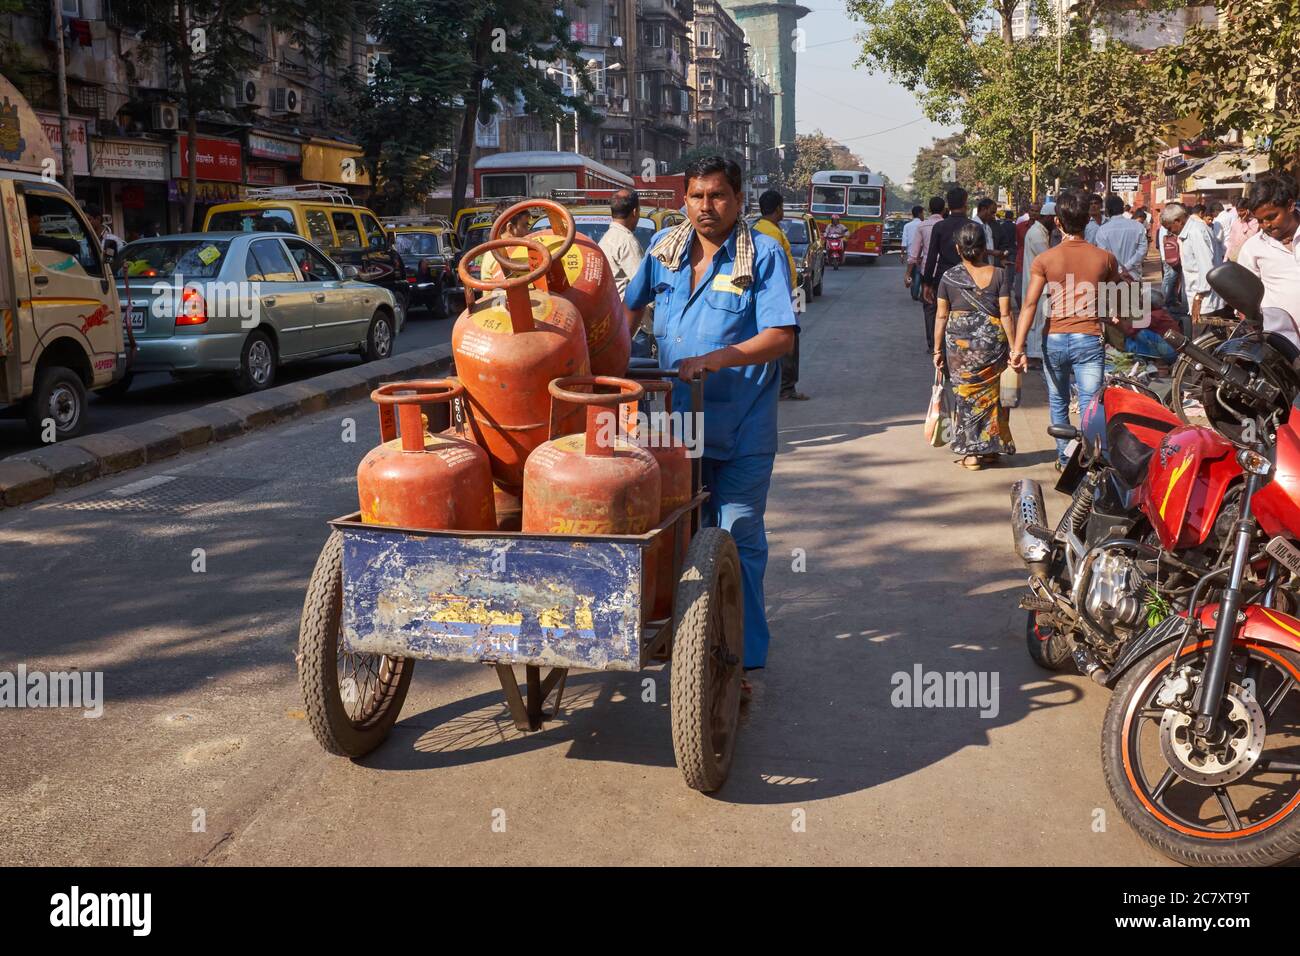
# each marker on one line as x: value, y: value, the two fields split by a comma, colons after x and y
x: 383, y: 597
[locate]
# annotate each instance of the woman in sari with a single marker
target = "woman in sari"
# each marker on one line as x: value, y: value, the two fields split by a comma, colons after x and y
x: 972, y: 327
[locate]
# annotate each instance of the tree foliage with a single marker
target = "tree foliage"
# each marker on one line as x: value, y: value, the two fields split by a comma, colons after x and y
x: 1242, y: 74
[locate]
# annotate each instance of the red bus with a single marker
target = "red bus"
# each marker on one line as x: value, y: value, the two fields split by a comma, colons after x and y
x: 859, y: 198
x: 539, y: 172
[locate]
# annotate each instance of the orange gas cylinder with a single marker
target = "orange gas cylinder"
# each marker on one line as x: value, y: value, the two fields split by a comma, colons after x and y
x: 593, y: 482
x: 670, y: 452
x: 581, y: 274
x: 508, y: 349
x: 418, y: 480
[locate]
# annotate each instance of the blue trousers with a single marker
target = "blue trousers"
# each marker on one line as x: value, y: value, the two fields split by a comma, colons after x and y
x: 737, y: 501
x: 1069, y: 356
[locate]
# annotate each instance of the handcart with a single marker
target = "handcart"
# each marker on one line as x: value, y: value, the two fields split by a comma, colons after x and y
x: 381, y: 598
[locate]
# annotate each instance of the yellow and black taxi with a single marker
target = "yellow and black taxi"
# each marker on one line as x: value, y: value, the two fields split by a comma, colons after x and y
x: 430, y: 250
x: 349, y: 233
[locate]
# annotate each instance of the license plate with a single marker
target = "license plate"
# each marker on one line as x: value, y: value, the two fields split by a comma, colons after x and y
x: 1287, y: 554
x: 138, y: 318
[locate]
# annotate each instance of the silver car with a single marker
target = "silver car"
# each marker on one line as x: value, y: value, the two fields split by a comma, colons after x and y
x: 246, y: 303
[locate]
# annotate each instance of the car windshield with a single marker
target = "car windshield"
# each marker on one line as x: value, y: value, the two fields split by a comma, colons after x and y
x: 796, y: 231
x: 477, y: 235
x: 417, y: 244
x: 168, y: 258
x: 251, y: 220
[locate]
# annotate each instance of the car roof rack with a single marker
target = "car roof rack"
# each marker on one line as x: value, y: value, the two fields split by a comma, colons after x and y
x: 332, y: 194
x: 658, y: 196
x: 393, y: 222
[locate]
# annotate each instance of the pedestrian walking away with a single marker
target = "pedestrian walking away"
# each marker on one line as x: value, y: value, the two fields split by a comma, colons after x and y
x: 1037, y: 241
x: 916, y: 254
x: 1124, y: 237
x: 973, y: 325
x: 911, y: 277
x: 771, y: 209
x: 722, y: 306
x: 1070, y: 274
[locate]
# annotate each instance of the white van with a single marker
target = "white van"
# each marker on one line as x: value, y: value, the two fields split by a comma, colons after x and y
x: 61, y: 329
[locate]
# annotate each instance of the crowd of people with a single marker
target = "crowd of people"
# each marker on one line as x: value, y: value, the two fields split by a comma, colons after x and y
x: 1072, y: 270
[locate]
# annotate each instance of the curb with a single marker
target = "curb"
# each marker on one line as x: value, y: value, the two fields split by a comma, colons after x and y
x: 33, y: 475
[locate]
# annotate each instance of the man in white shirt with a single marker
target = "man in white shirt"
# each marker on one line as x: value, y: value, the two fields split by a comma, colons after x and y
x: 1273, y: 253
x: 1199, y: 253
x: 909, y: 231
x: 916, y: 254
x: 619, y: 243
x: 1224, y: 220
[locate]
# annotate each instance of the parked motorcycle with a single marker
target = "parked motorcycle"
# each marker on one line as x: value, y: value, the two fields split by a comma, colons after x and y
x: 1099, y: 576
x: 835, y: 251
x: 1199, y: 744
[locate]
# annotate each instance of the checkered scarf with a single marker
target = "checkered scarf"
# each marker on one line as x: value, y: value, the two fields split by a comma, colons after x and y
x: 668, y: 250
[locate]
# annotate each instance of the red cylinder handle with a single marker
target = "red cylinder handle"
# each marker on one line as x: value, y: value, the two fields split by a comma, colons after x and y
x: 558, y: 281
x: 599, y: 406
x: 517, y: 303
x: 408, y: 397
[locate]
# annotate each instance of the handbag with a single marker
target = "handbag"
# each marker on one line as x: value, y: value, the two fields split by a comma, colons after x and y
x: 938, y: 427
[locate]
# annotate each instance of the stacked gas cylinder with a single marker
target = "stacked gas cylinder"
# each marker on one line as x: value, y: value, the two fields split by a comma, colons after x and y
x: 540, y: 353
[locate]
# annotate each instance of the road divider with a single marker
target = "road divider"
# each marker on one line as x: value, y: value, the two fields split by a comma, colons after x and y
x: 34, y: 475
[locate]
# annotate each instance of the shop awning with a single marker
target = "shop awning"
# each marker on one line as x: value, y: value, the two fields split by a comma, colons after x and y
x: 1224, y: 171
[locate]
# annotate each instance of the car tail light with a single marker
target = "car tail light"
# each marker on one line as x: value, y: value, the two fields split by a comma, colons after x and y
x: 193, y: 310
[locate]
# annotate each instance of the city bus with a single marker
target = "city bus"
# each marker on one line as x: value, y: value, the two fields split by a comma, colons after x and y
x: 859, y: 198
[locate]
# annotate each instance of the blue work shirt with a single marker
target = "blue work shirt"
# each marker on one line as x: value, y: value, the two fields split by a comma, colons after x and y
x: 739, y: 403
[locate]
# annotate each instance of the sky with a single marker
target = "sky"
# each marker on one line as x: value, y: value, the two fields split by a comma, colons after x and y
x: 847, y: 103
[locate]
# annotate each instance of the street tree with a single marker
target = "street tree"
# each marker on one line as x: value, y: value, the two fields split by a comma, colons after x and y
x: 511, y: 52
x: 410, y: 79
x: 809, y: 153
x: 1243, y: 73
x: 210, y: 47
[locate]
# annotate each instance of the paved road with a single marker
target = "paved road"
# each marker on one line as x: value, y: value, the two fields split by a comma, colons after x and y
x: 906, y: 563
x: 156, y: 394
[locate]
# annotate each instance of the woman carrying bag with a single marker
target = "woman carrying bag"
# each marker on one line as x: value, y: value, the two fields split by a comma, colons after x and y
x: 973, y: 335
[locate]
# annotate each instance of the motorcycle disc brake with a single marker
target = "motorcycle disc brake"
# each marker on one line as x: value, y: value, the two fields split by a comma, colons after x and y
x: 1212, y: 765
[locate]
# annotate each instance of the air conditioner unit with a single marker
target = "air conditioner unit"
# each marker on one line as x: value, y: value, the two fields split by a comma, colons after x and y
x: 246, y: 93
x: 166, y: 116
x: 285, y: 99
x: 600, y: 99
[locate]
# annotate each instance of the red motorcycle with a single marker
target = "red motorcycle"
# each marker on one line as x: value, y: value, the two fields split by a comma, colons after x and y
x: 1201, y: 740
x: 835, y: 251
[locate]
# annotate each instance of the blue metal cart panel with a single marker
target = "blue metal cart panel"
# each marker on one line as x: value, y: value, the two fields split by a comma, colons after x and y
x: 512, y: 600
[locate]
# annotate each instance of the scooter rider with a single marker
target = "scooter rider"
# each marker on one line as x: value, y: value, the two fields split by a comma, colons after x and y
x: 836, y: 230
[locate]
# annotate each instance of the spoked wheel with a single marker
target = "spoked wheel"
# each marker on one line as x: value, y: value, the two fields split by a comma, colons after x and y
x: 1048, y: 645
x: 1230, y: 802
x: 708, y: 649
x: 1185, y: 382
x: 352, y: 699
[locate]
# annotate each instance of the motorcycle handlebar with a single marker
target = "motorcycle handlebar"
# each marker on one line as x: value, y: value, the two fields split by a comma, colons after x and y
x: 1227, y: 372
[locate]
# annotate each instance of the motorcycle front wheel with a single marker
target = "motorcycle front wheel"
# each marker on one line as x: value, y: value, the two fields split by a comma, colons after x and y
x: 1235, y: 803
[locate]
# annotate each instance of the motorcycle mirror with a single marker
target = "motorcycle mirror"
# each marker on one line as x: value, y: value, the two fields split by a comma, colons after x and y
x: 1239, y: 287
x: 1064, y: 432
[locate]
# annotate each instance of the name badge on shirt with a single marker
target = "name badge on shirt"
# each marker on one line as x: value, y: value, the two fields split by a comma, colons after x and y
x: 723, y: 283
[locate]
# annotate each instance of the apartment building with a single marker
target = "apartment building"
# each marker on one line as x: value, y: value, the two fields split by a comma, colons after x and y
x: 128, y: 120
x: 723, y: 82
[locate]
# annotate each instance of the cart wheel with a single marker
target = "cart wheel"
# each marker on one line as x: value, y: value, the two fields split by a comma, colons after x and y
x: 708, y: 645
x: 352, y: 699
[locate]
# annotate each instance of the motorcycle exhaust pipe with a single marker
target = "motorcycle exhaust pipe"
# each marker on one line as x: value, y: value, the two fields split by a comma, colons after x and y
x: 1089, y: 666
x: 1028, y: 515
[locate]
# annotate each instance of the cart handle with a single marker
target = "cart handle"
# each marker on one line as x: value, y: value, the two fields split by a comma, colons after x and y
x: 557, y: 281
x: 629, y: 393
x: 409, y: 397
x: 517, y: 302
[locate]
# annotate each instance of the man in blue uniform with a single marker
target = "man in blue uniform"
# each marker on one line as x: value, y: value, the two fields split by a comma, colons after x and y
x: 722, y: 305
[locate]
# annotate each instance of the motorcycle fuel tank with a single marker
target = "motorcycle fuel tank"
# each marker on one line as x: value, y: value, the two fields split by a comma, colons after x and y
x: 1186, y: 481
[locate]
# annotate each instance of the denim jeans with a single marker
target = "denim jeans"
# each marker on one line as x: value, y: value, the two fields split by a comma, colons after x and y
x: 1174, y: 303
x: 1068, y: 356
x: 916, y: 285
